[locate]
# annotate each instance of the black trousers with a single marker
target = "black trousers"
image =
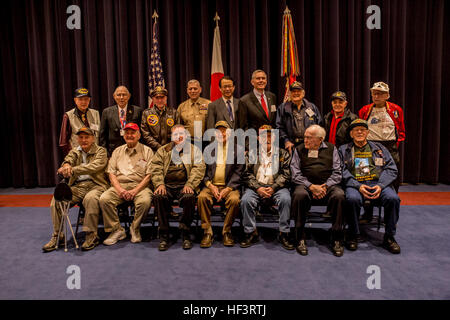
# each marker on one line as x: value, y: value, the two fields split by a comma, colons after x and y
x: 163, y: 208
x: 302, y: 200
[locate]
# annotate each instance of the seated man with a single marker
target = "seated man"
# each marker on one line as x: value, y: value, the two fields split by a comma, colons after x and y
x: 222, y: 181
x: 267, y: 184
x: 85, y: 168
x: 129, y: 173
x: 316, y: 172
x: 368, y: 174
x: 177, y: 170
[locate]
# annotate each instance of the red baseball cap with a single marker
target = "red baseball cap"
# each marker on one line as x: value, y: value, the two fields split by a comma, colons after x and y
x: 132, y: 126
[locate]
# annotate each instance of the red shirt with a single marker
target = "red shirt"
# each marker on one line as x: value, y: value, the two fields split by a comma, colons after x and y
x: 333, y: 127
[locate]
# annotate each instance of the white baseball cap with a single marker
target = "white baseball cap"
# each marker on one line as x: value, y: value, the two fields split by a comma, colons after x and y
x: 381, y: 86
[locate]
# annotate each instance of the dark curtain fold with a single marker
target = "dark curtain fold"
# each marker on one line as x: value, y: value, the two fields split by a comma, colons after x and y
x: 42, y: 62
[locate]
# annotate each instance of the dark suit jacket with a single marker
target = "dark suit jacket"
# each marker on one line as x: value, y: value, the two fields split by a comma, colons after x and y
x: 252, y: 114
x: 233, y: 172
x: 110, y: 137
x: 218, y: 111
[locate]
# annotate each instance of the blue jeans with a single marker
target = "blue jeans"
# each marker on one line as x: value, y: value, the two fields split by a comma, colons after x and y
x: 388, y: 199
x: 250, y: 201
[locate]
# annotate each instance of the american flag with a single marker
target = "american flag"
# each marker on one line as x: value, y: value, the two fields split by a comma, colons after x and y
x: 155, y: 71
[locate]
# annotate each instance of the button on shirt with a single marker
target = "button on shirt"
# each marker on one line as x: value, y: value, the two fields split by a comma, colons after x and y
x: 83, y: 177
x: 130, y: 164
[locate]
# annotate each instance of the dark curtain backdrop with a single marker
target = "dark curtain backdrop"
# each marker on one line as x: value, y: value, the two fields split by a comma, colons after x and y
x: 42, y: 62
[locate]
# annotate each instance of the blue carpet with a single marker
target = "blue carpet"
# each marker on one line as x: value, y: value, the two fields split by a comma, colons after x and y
x: 264, y: 271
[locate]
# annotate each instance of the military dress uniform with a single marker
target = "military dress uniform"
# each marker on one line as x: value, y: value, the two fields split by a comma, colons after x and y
x: 189, y: 112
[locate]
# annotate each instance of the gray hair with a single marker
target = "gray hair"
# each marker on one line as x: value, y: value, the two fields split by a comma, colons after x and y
x: 258, y: 71
x: 121, y: 87
x: 192, y: 81
x: 318, y: 130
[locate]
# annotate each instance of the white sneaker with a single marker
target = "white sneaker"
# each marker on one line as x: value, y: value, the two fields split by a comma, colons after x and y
x: 117, y: 235
x: 135, y: 236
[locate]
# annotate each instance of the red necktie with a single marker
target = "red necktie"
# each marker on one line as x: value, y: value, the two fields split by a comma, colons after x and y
x: 264, y: 105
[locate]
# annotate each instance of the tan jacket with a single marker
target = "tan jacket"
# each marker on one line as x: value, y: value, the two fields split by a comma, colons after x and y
x: 96, y: 163
x: 193, y: 162
x: 189, y: 113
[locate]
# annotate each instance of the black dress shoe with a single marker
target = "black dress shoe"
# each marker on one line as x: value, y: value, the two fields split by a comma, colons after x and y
x: 301, y: 248
x: 283, y: 238
x: 249, y: 240
x: 163, y: 245
x: 391, y: 245
x: 338, y: 249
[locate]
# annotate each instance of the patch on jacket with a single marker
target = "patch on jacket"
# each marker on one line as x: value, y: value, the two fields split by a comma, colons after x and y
x: 152, y: 120
x: 170, y: 122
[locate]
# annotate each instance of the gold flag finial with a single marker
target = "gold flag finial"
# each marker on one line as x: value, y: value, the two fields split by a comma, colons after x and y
x: 216, y: 19
x: 287, y: 11
x: 155, y: 15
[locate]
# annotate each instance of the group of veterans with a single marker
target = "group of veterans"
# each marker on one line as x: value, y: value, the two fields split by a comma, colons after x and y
x: 157, y: 156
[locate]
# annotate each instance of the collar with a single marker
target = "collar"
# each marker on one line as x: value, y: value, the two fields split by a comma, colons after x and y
x: 136, y: 148
x: 225, y: 100
x: 124, y: 108
x: 257, y: 94
x: 341, y: 116
x: 91, y: 150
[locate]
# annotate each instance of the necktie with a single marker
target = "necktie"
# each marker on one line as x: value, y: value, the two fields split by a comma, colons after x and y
x: 122, y: 118
x: 264, y: 105
x: 230, y: 110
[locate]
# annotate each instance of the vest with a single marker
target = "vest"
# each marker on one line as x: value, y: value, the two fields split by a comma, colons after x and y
x: 76, y: 124
x: 316, y: 170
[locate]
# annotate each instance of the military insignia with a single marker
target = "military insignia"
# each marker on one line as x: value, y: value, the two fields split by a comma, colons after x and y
x: 395, y: 114
x: 380, y: 153
x: 203, y: 107
x: 83, y: 91
x: 152, y: 120
x: 170, y: 122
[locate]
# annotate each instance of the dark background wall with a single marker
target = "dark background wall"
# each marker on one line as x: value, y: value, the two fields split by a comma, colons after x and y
x: 42, y: 62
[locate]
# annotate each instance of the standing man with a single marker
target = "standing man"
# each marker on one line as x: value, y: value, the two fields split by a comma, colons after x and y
x: 368, y: 174
x: 316, y: 172
x: 222, y: 181
x: 267, y: 183
x: 386, y: 123
x: 225, y: 108
x: 129, y: 173
x: 115, y: 118
x: 195, y: 109
x: 77, y: 118
x: 157, y: 122
x: 176, y: 175
x: 338, y: 120
x: 85, y: 168
x: 258, y: 107
x: 295, y: 116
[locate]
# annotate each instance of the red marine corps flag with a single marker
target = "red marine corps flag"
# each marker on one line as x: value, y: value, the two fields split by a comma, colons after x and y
x: 155, y: 70
x: 216, y: 65
x: 289, y: 56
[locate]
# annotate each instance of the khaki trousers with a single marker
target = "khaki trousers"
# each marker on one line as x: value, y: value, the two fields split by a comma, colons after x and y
x: 110, y: 199
x: 205, y: 204
x: 89, y: 194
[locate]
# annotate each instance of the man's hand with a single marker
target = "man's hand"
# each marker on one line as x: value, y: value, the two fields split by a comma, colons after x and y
x: 131, y: 194
x: 215, y: 191
x: 262, y: 192
x: 370, y: 192
x: 318, y: 191
x: 66, y: 170
x: 161, y: 190
x: 224, y: 193
x: 289, y: 146
x: 187, y: 189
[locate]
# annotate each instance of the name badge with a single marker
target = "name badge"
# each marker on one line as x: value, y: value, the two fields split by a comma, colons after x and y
x: 379, y: 162
x: 309, y: 112
x: 94, y: 127
x: 273, y: 108
x: 313, y: 153
x: 122, y: 132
